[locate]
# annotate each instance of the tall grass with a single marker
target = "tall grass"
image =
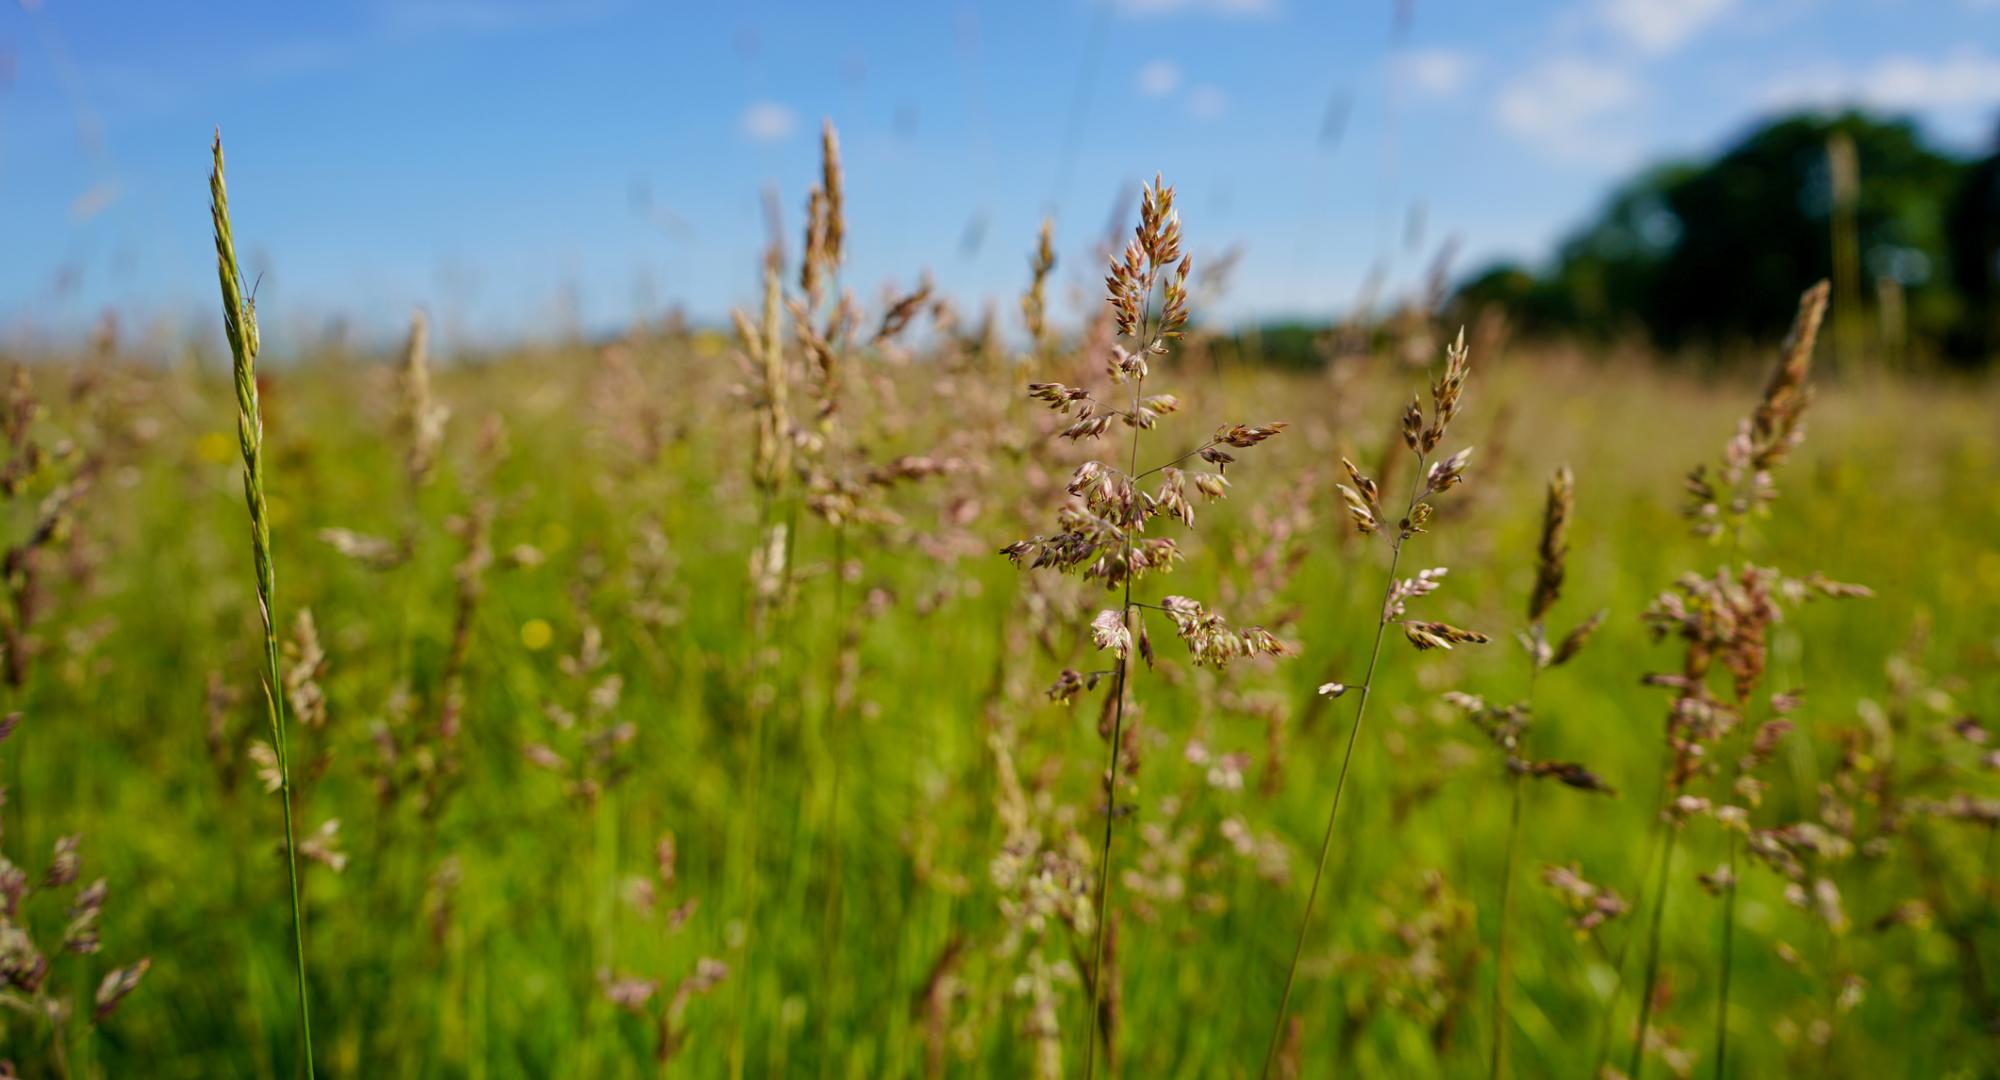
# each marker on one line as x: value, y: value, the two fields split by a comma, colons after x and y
x: 1364, y: 505
x: 1101, y: 529
x: 1510, y: 728
x: 239, y: 322
x: 1723, y: 621
x: 875, y: 811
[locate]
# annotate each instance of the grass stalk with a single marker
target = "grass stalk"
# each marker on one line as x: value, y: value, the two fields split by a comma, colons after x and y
x: 1340, y: 782
x: 769, y: 589
x: 1104, y: 866
x: 1624, y: 954
x: 239, y: 321
x: 833, y: 739
x: 1117, y: 737
x: 1504, y: 949
x: 1651, y: 979
x: 1550, y: 570
x: 1728, y: 958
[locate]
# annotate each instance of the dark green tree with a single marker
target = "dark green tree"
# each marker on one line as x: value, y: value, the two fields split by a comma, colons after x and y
x: 1702, y: 254
x: 1974, y: 226
x: 1757, y: 225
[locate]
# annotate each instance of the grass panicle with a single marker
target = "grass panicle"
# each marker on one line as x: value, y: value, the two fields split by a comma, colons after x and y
x: 1101, y: 536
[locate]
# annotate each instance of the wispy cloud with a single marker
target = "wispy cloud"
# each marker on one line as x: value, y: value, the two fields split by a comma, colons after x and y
x: 1435, y: 72
x: 768, y: 121
x: 1164, y: 79
x: 1965, y: 77
x: 1661, y: 26
x: 1563, y: 107
x: 1207, y: 102
x: 1226, y: 8
x: 1159, y: 78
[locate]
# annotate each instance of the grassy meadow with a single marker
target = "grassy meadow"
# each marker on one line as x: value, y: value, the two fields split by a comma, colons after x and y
x: 618, y: 748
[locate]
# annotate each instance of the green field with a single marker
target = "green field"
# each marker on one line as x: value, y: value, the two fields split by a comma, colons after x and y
x: 855, y: 766
x: 744, y: 542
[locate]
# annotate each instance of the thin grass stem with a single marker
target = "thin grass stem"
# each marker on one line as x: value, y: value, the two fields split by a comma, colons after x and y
x: 1503, y: 950
x: 1728, y: 959
x: 239, y: 320
x: 1340, y: 782
x: 1117, y: 737
x: 1651, y: 979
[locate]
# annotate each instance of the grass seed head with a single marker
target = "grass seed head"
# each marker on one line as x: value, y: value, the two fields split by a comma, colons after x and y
x: 1552, y: 553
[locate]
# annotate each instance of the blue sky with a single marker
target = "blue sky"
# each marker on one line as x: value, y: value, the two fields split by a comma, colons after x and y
x: 511, y: 163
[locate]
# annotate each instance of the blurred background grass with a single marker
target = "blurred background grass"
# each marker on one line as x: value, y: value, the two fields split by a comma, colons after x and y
x: 468, y: 943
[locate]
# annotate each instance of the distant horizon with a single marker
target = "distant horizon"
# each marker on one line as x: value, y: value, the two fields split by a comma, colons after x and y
x: 380, y: 157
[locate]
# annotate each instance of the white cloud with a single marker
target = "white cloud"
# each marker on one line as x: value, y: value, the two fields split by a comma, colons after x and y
x: 1436, y: 72
x: 1965, y: 78
x: 768, y: 121
x: 1207, y: 102
x: 1563, y: 107
x: 1159, y: 78
x: 1661, y: 26
x: 1229, y: 8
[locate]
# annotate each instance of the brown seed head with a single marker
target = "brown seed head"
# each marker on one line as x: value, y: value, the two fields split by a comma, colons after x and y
x: 1445, y: 392
x: 1553, y: 552
x: 836, y: 200
x: 1034, y: 303
x: 1774, y: 427
x: 1367, y: 489
x: 815, y: 246
x: 1437, y: 635
x: 897, y: 318
x: 1243, y: 435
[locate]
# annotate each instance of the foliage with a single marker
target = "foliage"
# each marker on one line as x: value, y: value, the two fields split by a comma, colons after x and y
x: 1711, y: 252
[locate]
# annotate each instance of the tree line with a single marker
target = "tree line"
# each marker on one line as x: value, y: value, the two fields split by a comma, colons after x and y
x: 1701, y: 254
